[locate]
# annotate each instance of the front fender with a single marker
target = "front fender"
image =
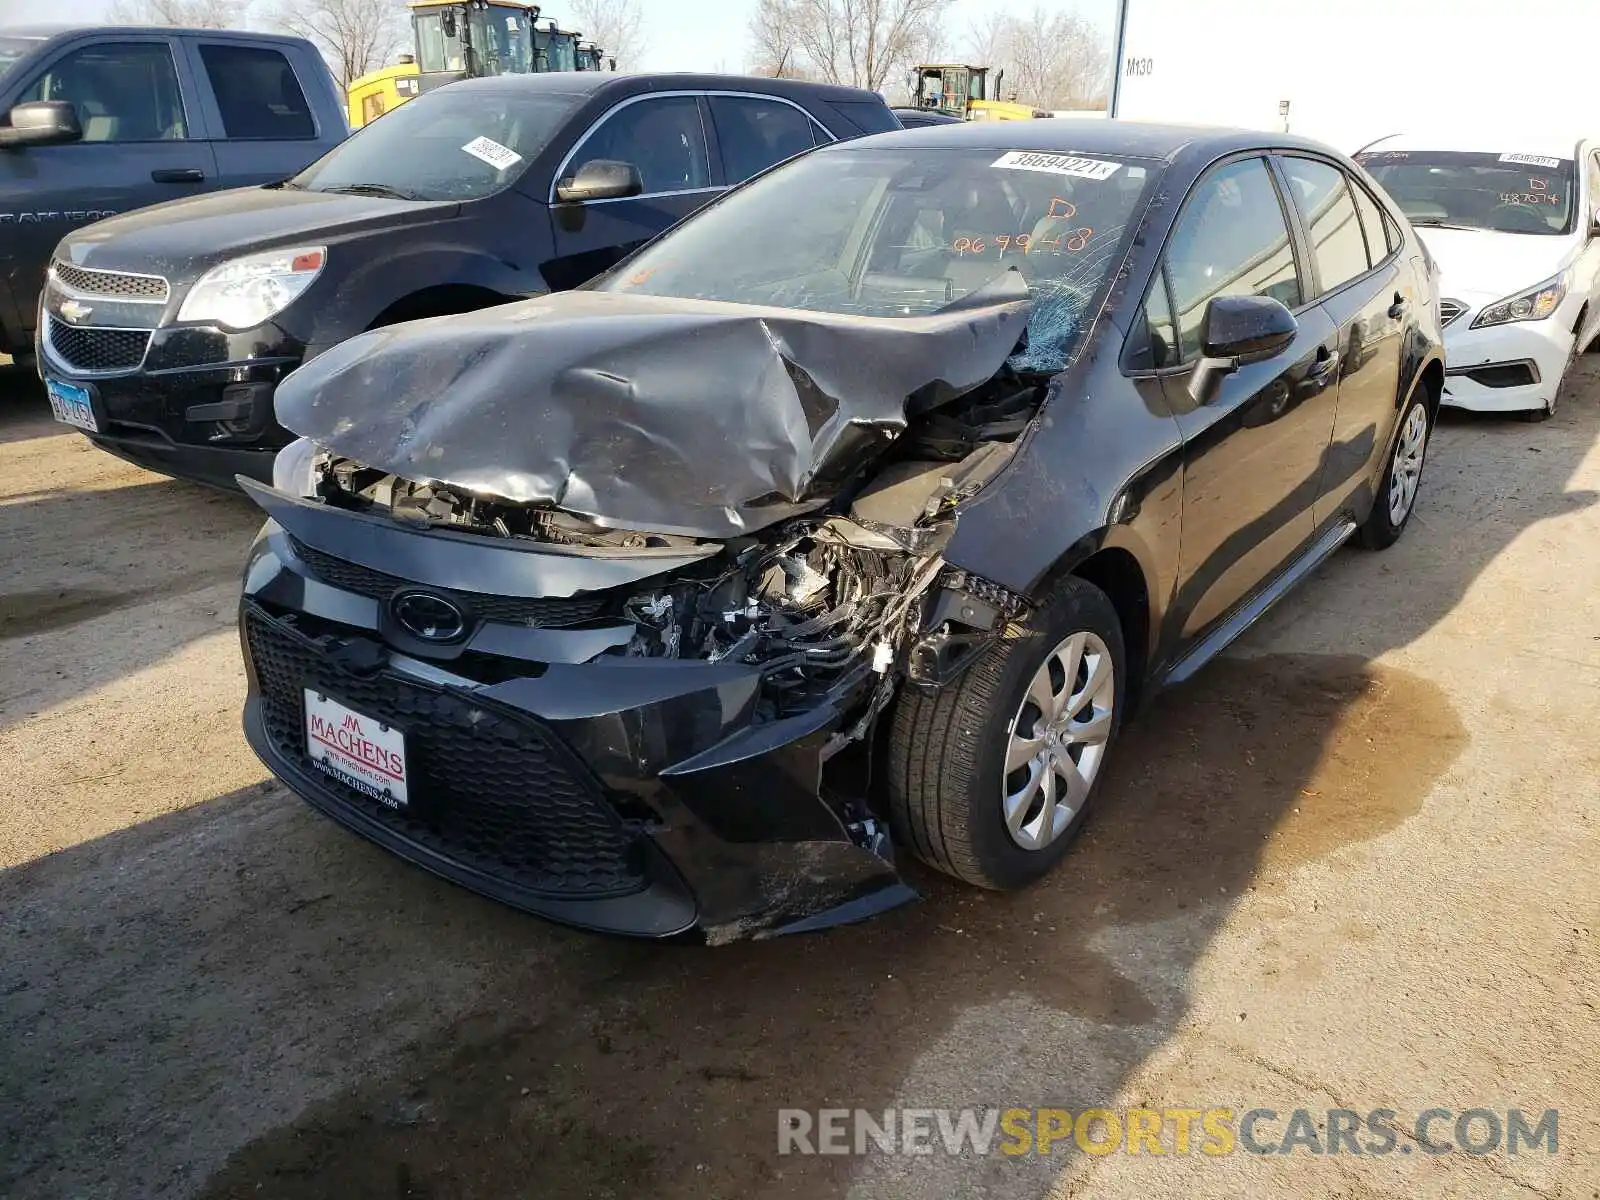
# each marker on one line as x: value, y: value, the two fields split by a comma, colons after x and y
x: 375, y: 284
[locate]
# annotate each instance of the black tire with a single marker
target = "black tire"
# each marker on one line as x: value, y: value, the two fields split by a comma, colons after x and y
x: 947, y: 748
x: 1381, y: 530
x: 1534, y: 416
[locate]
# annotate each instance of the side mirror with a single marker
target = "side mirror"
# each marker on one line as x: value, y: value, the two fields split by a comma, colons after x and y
x: 42, y: 123
x: 1239, y: 330
x: 601, y: 179
x: 1594, y: 224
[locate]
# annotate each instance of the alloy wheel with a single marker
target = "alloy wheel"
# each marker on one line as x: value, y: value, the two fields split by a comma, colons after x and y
x: 1057, y: 741
x: 1406, y: 470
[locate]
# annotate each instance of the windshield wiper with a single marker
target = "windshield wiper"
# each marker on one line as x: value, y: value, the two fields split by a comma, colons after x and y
x: 371, y: 189
x: 1444, y: 225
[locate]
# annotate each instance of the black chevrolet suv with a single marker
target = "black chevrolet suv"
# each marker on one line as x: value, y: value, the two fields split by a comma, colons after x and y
x: 165, y: 332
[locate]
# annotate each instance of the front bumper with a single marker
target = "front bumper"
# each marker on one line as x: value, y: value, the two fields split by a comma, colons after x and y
x: 1507, y: 368
x: 197, y: 405
x: 634, y: 796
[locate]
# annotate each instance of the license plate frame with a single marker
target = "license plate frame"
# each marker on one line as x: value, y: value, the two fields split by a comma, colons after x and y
x: 72, y: 404
x: 358, y: 750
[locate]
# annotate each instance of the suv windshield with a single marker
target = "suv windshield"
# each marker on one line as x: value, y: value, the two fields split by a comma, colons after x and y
x: 906, y: 233
x: 451, y: 144
x: 1506, y: 193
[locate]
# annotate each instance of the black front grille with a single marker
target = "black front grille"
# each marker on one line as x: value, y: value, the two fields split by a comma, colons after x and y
x: 110, y: 283
x: 1503, y: 375
x: 541, y: 612
x: 490, y: 791
x: 1449, y: 310
x: 90, y: 349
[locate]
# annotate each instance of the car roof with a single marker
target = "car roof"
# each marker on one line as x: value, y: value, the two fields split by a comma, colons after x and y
x: 44, y: 32
x: 1072, y: 135
x: 579, y: 83
x: 1493, y: 142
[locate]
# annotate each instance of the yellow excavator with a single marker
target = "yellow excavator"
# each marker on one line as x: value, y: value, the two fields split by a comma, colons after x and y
x: 466, y: 39
x: 960, y: 90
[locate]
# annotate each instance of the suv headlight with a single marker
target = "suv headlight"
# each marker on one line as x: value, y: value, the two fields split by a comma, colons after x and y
x: 243, y: 292
x: 1535, y: 304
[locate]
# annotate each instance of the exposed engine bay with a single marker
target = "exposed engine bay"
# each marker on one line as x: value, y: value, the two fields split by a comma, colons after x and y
x: 819, y: 602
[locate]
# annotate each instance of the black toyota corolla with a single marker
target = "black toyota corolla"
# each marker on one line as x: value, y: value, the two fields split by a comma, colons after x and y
x: 847, y: 520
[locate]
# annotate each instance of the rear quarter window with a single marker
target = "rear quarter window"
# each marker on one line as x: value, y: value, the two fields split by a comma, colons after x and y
x: 865, y: 116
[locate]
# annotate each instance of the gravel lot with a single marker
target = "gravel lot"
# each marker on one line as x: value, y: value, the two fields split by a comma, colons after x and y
x: 1355, y: 863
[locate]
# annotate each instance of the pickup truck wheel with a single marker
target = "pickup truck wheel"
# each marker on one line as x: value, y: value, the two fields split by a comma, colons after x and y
x: 991, y: 778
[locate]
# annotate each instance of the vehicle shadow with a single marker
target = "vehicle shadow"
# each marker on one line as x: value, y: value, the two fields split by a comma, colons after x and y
x: 398, y: 1037
x: 118, y: 539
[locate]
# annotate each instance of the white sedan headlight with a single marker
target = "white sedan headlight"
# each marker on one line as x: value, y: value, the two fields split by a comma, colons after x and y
x: 1535, y: 304
x: 243, y: 292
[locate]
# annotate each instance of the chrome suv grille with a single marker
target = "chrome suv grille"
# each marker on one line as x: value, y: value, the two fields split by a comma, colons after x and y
x: 111, y: 283
x: 96, y: 350
x: 1449, y: 310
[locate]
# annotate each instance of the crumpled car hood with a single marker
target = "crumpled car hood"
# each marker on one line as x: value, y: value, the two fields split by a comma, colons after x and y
x: 679, y: 416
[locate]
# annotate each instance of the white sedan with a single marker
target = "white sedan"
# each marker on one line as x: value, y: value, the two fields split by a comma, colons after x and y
x: 1516, y: 233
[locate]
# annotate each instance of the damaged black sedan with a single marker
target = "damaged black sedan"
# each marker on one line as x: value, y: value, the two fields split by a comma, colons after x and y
x: 847, y: 520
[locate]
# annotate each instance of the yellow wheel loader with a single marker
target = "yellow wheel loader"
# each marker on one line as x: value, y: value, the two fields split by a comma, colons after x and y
x: 959, y: 90
x: 467, y: 39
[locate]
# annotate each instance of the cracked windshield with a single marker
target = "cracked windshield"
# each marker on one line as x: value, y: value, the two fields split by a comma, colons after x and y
x: 906, y: 233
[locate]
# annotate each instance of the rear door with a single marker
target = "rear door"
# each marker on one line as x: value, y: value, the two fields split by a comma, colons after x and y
x: 664, y: 135
x: 138, y: 113
x: 1369, y: 293
x: 261, y: 124
x: 1253, y: 453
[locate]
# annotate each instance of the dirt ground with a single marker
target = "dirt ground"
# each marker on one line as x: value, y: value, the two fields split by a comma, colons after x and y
x: 1354, y: 864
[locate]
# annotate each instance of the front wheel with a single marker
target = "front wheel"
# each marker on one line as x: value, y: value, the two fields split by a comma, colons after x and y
x: 1397, y: 492
x: 990, y: 779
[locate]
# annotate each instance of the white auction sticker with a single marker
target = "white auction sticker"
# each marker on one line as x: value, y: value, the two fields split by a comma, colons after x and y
x: 1056, y: 164
x: 492, y: 152
x: 1531, y: 160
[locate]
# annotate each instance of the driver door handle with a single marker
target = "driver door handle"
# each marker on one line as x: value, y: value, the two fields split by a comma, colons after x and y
x: 1398, y: 308
x: 1327, y: 363
x: 179, y: 175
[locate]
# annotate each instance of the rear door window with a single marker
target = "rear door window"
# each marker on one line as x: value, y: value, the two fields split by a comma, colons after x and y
x: 1232, y: 240
x: 662, y: 136
x: 257, y: 93
x: 755, y: 133
x: 1337, y: 242
x: 122, y: 91
x: 867, y: 117
x: 1373, y: 224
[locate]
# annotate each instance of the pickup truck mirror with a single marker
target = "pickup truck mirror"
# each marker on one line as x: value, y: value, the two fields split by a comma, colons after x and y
x: 41, y: 123
x: 1239, y: 330
x: 601, y: 179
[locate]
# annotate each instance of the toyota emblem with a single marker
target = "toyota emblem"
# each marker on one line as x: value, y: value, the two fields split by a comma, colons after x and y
x: 429, y: 616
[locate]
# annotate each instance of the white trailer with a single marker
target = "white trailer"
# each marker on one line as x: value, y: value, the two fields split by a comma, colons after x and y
x: 1350, y: 71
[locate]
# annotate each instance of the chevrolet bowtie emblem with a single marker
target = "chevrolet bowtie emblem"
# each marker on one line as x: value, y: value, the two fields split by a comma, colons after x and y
x: 72, y: 312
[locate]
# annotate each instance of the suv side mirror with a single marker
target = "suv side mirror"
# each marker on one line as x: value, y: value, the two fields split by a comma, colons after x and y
x: 1239, y: 330
x: 42, y: 123
x: 601, y: 179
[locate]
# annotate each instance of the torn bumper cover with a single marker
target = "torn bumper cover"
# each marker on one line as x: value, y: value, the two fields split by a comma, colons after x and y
x: 608, y: 717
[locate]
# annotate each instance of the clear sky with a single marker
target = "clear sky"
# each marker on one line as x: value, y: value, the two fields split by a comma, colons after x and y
x: 685, y: 35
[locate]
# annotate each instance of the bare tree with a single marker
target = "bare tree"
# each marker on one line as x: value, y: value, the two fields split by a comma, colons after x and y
x: 775, y: 41
x: 355, y: 36
x: 185, y: 14
x: 617, y: 27
x: 864, y: 43
x: 1052, y: 59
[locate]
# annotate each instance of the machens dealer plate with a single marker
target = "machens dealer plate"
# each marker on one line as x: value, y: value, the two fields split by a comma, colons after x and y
x: 357, y: 750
